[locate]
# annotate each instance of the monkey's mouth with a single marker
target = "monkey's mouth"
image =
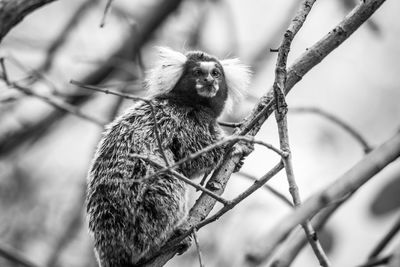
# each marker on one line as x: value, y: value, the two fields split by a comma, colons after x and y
x: 207, y: 90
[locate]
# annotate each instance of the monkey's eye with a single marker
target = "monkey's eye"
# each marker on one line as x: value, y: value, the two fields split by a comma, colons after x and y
x: 215, y: 73
x: 197, y: 72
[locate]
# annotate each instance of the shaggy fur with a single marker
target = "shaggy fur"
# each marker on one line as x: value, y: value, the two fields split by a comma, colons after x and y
x: 131, y: 218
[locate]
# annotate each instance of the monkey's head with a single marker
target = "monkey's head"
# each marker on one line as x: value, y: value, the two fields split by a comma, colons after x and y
x: 199, y: 79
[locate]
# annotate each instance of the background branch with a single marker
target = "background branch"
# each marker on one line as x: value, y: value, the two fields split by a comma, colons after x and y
x: 385, y: 240
x: 153, y: 18
x: 331, y: 117
x: 13, y: 11
x: 15, y: 256
x: 346, y: 184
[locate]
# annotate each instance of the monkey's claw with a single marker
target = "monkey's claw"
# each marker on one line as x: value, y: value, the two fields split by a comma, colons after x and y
x: 243, y: 149
x: 185, y: 243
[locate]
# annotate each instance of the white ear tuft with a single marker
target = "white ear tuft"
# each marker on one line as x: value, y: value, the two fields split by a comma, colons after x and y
x: 167, y: 71
x: 237, y: 76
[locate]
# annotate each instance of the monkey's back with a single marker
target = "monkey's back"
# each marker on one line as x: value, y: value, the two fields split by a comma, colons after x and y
x: 130, y: 217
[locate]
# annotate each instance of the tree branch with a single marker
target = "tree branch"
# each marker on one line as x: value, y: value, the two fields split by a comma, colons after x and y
x: 264, y: 108
x: 198, y: 248
x: 281, y: 119
x: 297, y: 240
x: 14, y: 11
x: 64, y: 33
x: 168, y: 250
x: 14, y: 256
x: 385, y: 240
x: 377, y: 261
x: 275, y: 192
x: 345, y: 126
x: 61, y: 105
x: 151, y: 21
x: 346, y: 184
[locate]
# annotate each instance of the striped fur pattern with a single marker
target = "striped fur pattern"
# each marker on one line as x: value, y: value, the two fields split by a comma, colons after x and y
x: 130, y: 219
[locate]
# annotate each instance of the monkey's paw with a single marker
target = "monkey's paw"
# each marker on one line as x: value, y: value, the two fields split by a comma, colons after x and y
x: 244, y: 149
x: 185, y: 244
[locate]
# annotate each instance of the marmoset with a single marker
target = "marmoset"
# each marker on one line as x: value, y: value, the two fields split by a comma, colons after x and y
x: 131, y: 217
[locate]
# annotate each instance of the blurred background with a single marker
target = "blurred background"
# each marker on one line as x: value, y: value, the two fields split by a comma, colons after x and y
x: 45, y: 152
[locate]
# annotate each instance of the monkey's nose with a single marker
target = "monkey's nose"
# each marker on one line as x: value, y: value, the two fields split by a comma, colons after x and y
x: 208, y: 79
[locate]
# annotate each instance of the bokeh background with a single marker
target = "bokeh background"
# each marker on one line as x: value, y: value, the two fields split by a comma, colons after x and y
x: 43, y: 170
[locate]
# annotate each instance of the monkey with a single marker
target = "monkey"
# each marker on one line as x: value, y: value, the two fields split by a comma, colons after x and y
x: 129, y: 216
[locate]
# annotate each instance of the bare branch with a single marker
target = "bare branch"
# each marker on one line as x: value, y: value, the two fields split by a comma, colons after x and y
x: 229, y: 124
x: 107, y: 91
x: 385, y: 240
x: 288, y: 251
x: 153, y: 18
x: 168, y: 250
x: 106, y: 11
x: 58, y: 104
x: 181, y: 177
x: 64, y: 33
x: 267, y: 50
x: 13, y: 11
x: 4, y: 70
x: 226, y: 141
x: 346, y: 184
x: 269, y: 188
x: 377, y: 261
x: 14, y: 256
x: 259, y: 183
x: 281, y: 119
x: 345, y: 126
x: 197, y: 248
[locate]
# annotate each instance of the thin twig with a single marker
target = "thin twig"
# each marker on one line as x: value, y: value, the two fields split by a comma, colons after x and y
x: 226, y: 140
x: 194, y: 234
x: 385, y: 240
x: 14, y: 256
x: 267, y: 50
x: 64, y: 33
x: 345, y: 126
x: 275, y: 192
x: 4, y: 70
x: 106, y: 10
x: 281, y: 119
x: 107, y: 91
x: 377, y: 261
x: 58, y: 104
x: 229, y: 124
x: 33, y: 75
x: 181, y: 177
x: 259, y: 183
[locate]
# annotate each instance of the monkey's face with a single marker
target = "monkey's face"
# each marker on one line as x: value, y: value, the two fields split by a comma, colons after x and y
x: 202, y: 83
x: 207, y: 76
